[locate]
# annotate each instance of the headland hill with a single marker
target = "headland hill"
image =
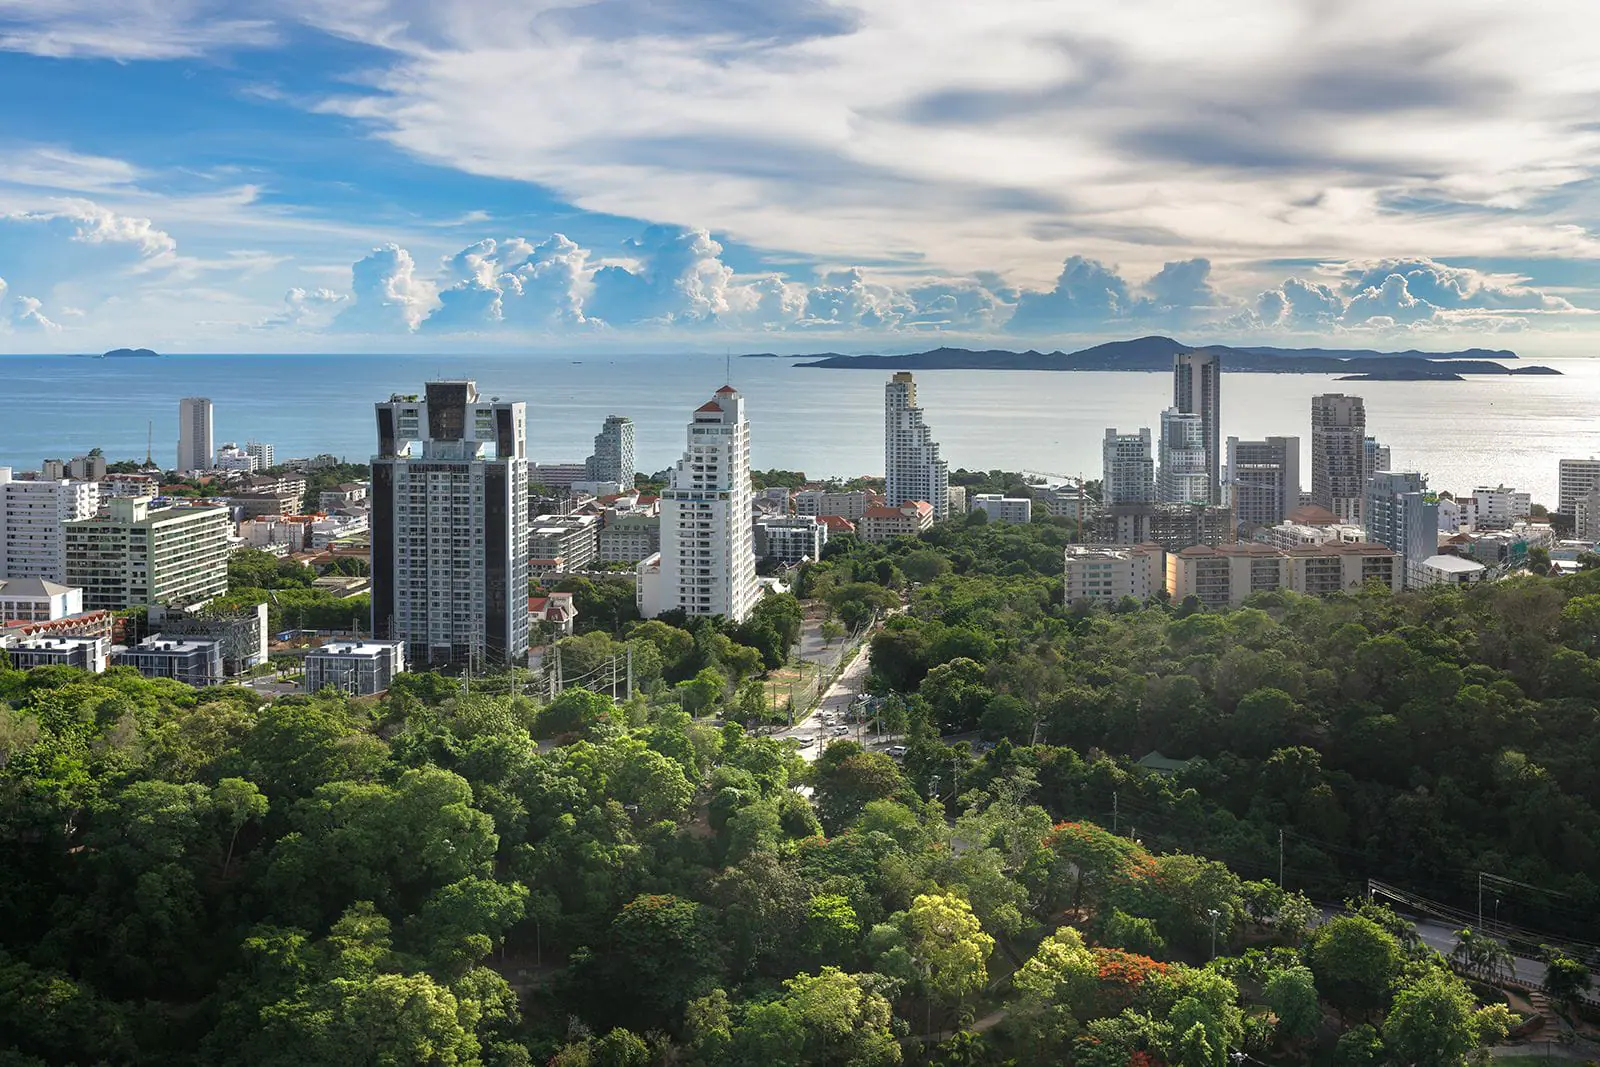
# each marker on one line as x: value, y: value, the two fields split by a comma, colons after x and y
x: 1155, y: 353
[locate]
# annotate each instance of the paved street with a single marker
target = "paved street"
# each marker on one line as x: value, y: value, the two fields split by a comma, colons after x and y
x: 815, y: 731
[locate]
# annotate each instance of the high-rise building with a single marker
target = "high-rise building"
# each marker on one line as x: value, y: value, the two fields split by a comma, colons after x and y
x: 262, y: 454
x: 195, y: 446
x: 1183, y: 475
x: 1263, y: 480
x: 1129, y: 474
x: 613, y: 453
x: 1576, y: 478
x: 33, y: 524
x: 912, y: 466
x: 450, y: 526
x: 1400, y: 514
x: 1339, y: 472
x: 707, y: 564
x: 1197, y: 390
x: 135, y: 556
x: 1374, y: 457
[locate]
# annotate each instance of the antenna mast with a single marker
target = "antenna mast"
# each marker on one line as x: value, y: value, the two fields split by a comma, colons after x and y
x: 149, y: 442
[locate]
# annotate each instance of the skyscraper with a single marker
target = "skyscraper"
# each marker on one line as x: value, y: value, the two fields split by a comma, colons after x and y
x: 1339, y: 473
x: 1197, y: 389
x: 708, y: 563
x: 613, y: 453
x: 1183, y: 476
x: 195, y: 447
x: 1400, y: 514
x: 1129, y: 469
x: 1263, y: 479
x: 912, y: 467
x: 1375, y: 457
x: 450, y: 526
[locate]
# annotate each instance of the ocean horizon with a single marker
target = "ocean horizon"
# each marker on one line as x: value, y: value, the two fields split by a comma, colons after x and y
x: 826, y: 422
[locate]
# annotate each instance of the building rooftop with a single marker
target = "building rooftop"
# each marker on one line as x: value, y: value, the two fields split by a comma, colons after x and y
x: 1453, y: 564
x: 32, y: 587
x: 174, y: 645
x: 353, y: 648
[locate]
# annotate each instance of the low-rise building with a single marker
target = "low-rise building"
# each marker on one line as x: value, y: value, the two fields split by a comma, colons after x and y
x: 630, y: 538
x: 327, y: 531
x: 557, y: 611
x: 1447, y: 570
x: 289, y: 484
x: 557, y: 475
x: 790, y: 538
x: 83, y: 652
x: 1018, y: 509
x: 258, y: 505
x: 274, y: 530
x: 1172, y: 526
x: 240, y: 634
x: 958, y: 500
x: 649, y: 590
x: 1067, y: 501
x: 1287, y: 535
x: 1105, y: 574
x: 572, y: 539
x: 850, y: 504
x: 1226, y: 575
x: 885, y: 523
x: 230, y: 457
x: 195, y: 661
x: 342, y: 496
x: 1495, y: 509
x: 37, y: 600
x: 359, y: 668
x: 838, y: 525
x: 128, y: 485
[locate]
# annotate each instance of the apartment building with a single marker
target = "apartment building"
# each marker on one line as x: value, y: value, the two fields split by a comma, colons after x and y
x: 572, y: 539
x: 359, y: 668
x: 848, y: 505
x: 630, y: 538
x: 37, y: 600
x: 450, y: 525
x: 1197, y: 390
x: 33, y: 521
x: 887, y: 523
x: 1263, y: 480
x: 195, y: 446
x: 913, y: 468
x: 195, y: 661
x: 1001, y: 508
x: 1339, y: 472
x: 1105, y: 574
x: 135, y: 556
x: 790, y: 538
x: 1226, y: 575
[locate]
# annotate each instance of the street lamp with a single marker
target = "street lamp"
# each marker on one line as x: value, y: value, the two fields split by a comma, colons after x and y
x: 933, y: 787
x: 1215, y: 915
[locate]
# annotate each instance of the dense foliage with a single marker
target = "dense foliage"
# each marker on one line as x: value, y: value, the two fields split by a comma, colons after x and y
x: 1418, y: 738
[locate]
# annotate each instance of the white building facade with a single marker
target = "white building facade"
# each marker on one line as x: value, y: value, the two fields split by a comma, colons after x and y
x: 913, y: 469
x: 1183, y: 473
x: 359, y: 668
x: 1339, y: 456
x: 449, y: 526
x: 33, y: 519
x: 1128, y: 474
x: 613, y: 453
x: 790, y: 538
x: 1105, y: 574
x: 135, y: 555
x: 707, y: 562
x: 1004, y: 508
x: 195, y: 446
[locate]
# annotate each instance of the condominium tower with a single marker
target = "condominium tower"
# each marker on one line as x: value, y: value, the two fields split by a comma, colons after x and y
x: 195, y: 447
x: 708, y: 564
x: 1577, y: 478
x: 1263, y: 480
x: 138, y: 556
x: 1183, y: 475
x: 1129, y: 474
x: 1339, y: 473
x: 613, y: 453
x: 912, y: 466
x: 1400, y: 514
x: 1197, y: 390
x: 450, y: 526
x: 33, y: 518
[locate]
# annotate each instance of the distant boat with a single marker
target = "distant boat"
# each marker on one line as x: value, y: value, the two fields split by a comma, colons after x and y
x: 577, y: 363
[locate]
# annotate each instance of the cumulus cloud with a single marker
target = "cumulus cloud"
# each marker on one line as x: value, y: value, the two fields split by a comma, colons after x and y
x: 675, y: 276
x: 302, y: 307
x: 1387, y: 304
x: 1298, y: 304
x: 386, y: 295
x: 511, y: 283
x: 1087, y: 292
x: 1182, y: 289
x: 1444, y: 286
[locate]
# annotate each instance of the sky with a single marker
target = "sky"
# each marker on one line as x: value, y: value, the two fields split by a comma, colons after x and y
x: 811, y: 175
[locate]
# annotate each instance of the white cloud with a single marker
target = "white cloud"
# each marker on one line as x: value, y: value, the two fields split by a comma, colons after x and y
x: 25, y: 317
x: 1388, y: 304
x: 126, y: 29
x: 1445, y: 286
x: 302, y: 308
x: 385, y: 294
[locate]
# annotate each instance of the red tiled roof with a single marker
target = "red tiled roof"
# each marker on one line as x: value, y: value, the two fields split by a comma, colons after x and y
x: 709, y: 405
x: 536, y: 603
x: 726, y: 390
x: 837, y: 523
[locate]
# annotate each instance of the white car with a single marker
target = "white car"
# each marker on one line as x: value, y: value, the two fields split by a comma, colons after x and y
x: 897, y: 751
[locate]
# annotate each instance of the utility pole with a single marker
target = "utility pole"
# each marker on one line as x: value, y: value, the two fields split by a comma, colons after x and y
x: 1280, y: 857
x: 1214, y: 915
x: 559, y: 686
x: 1114, y: 811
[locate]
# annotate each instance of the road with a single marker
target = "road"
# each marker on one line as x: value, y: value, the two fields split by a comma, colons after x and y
x: 818, y: 728
x: 1441, y: 937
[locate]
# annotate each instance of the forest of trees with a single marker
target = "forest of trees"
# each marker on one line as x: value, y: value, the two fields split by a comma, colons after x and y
x: 442, y: 877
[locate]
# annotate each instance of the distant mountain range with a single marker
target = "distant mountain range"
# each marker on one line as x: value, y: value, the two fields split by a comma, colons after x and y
x: 1155, y: 354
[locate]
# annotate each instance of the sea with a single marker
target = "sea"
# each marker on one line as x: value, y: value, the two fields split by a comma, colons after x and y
x: 825, y: 422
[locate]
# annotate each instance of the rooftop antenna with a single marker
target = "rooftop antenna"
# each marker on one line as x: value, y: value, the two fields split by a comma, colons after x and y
x: 727, y: 366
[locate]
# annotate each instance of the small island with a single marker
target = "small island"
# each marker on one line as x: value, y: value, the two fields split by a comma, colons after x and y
x: 1403, y: 374
x: 130, y: 353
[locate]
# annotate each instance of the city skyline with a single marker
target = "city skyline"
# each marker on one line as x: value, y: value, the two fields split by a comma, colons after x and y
x: 376, y: 180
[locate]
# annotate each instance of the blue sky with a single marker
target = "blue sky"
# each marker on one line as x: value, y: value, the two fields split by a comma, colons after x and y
x: 400, y: 175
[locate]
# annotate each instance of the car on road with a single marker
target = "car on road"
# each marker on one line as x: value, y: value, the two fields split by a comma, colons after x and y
x: 897, y: 751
